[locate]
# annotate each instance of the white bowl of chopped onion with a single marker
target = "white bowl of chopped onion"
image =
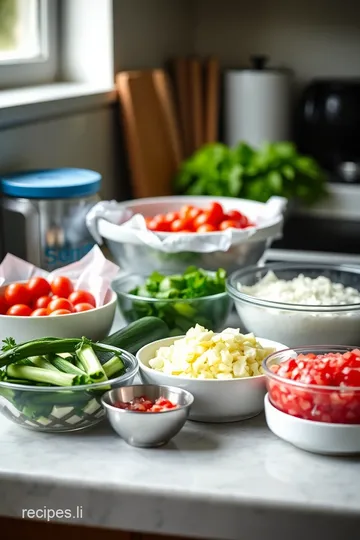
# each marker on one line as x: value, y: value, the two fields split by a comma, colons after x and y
x: 223, y: 371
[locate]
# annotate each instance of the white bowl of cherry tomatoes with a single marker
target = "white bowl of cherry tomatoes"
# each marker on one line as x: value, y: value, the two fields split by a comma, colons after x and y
x: 251, y: 223
x: 36, y: 308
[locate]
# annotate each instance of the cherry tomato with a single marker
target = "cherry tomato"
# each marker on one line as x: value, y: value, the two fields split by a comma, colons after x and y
x: 40, y: 312
x: 60, y: 303
x: 188, y: 213
x: 19, y: 310
x: 201, y: 219
x: 207, y: 227
x: 228, y: 224
x: 3, y: 306
x: 187, y: 231
x: 178, y: 225
x: 215, y: 213
x: 83, y: 307
x: 171, y: 216
x: 43, y: 302
x: 60, y: 312
x: 37, y: 287
x: 17, y: 293
x: 158, y: 224
x: 82, y: 297
x: 62, y: 286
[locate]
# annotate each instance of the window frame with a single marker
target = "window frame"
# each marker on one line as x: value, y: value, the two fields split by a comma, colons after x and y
x: 42, y: 69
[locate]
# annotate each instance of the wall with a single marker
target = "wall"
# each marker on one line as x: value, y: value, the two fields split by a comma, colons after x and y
x: 81, y: 140
x: 146, y: 33
x: 313, y: 37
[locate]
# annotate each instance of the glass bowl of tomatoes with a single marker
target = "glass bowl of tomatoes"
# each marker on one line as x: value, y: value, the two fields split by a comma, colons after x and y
x: 36, y: 308
x: 316, y: 383
x: 197, y: 217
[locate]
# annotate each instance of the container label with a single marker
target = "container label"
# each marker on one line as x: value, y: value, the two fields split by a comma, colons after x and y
x: 56, y: 257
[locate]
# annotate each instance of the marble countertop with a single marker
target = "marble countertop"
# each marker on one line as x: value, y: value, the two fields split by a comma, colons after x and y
x: 228, y: 482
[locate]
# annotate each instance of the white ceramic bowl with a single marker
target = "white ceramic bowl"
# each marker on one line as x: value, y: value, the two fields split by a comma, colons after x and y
x: 215, y: 400
x: 316, y: 437
x: 94, y: 324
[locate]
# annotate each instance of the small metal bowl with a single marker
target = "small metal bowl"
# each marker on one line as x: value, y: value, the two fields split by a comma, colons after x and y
x: 151, y: 429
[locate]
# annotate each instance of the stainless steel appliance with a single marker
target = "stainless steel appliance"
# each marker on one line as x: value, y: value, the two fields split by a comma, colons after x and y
x: 43, y: 215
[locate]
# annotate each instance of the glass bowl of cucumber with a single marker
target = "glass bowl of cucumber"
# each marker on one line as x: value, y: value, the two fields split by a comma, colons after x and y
x: 181, y: 300
x: 56, y: 385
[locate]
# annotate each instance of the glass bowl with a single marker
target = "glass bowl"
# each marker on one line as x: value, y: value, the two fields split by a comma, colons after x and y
x: 297, y: 324
x: 61, y: 409
x: 179, y: 314
x: 328, y: 404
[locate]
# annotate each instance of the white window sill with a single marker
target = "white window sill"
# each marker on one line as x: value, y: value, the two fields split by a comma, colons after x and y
x: 25, y: 105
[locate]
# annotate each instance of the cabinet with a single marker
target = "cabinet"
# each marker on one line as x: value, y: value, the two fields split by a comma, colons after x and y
x: 22, y: 529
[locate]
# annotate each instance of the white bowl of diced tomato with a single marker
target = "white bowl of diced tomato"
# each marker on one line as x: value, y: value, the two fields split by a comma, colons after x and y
x: 37, y: 308
x: 313, y: 398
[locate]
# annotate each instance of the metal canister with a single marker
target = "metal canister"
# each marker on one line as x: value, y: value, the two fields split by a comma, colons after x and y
x: 43, y: 215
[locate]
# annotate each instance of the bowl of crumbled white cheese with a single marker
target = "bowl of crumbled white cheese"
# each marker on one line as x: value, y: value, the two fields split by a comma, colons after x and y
x: 299, y: 304
x: 222, y: 370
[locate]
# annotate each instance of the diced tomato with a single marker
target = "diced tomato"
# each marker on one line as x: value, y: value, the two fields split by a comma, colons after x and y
x: 337, y: 378
x: 143, y: 404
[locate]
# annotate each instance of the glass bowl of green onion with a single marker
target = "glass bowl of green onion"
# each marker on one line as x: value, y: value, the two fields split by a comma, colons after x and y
x: 196, y: 296
x: 56, y: 385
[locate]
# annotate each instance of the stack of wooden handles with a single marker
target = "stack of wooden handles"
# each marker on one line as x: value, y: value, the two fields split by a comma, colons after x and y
x: 166, y: 118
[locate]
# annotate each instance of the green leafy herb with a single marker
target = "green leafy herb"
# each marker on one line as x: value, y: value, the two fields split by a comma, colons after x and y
x: 9, y: 343
x: 242, y: 171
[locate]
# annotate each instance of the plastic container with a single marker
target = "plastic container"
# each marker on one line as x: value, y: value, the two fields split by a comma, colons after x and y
x: 297, y: 324
x: 47, y: 209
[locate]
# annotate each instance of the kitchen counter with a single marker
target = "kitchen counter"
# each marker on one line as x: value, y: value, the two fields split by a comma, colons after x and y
x: 229, y: 482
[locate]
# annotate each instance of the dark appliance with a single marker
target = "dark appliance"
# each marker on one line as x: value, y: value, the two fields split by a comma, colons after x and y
x: 328, y: 126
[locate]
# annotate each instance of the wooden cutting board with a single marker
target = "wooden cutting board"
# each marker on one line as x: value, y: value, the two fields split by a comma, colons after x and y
x: 196, y: 103
x: 151, y: 131
x: 212, y: 91
x: 180, y: 71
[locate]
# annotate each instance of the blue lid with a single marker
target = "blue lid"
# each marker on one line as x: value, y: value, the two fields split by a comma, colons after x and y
x: 51, y: 184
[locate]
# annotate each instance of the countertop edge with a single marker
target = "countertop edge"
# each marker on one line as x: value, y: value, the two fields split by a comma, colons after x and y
x: 176, y: 514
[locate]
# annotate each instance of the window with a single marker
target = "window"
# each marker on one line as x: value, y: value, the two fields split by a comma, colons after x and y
x: 28, y: 39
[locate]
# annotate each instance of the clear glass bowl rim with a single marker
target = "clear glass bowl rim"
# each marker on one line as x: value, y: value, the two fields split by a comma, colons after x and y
x: 314, y: 349
x: 234, y: 278
x: 132, y: 369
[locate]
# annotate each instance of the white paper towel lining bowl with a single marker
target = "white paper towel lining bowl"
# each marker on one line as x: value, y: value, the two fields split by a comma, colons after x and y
x: 124, y: 223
